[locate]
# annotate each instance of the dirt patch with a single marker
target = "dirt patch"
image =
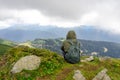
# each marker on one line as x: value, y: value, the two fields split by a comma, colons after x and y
x: 3, y: 61
x: 43, y: 78
x: 65, y: 72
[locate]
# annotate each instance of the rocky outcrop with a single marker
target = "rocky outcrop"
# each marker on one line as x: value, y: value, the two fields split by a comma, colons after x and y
x: 102, y: 75
x: 78, y: 75
x: 27, y: 63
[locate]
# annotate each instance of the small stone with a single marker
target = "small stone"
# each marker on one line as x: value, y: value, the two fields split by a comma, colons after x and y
x: 102, y: 75
x: 91, y: 58
x: 78, y: 75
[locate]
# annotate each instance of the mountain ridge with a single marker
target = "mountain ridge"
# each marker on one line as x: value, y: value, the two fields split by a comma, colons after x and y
x: 21, y: 33
x: 88, y: 47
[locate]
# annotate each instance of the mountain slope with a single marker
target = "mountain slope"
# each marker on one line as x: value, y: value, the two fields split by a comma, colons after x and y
x: 4, y: 48
x: 53, y: 66
x: 5, y: 45
x: 88, y: 47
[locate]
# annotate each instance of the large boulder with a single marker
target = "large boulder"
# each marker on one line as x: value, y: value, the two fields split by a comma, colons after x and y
x: 78, y: 75
x: 30, y: 62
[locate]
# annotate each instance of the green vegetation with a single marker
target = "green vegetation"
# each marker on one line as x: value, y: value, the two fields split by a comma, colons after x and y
x: 53, y: 66
x: 5, y: 45
x: 91, y: 69
x: 50, y: 63
x: 7, y: 42
x: 4, y: 48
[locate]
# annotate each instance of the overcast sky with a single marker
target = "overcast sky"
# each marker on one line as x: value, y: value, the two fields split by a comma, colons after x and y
x: 102, y: 14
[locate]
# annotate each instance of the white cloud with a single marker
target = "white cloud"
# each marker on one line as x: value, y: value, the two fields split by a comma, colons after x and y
x: 89, y: 18
x: 22, y: 17
x: 103, y: 14
x: 3, y: 25
x: 32, y: 16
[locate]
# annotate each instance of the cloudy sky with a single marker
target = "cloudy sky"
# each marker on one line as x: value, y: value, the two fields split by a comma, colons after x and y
x: 102, y: 14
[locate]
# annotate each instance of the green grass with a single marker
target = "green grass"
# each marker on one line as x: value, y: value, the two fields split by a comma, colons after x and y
x: 5, y: 45
x: 4, y: 48
x: 53, y: 66
x: 50, y: 63
x: 7, y: 42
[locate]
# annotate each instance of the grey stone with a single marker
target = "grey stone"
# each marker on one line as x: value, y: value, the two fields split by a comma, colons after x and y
x: 78, y: 75
x: 102, y: 75
x: 27, y: 63
x: 106, y: 77
x: 91, y: 58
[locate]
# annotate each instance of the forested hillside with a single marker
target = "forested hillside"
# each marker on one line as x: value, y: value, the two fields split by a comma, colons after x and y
x: 99, y: 48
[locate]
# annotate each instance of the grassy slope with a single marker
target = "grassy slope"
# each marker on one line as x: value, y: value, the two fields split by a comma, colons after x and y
x: 7, y: 42
x: 5, y: 45
x: 4, y: 48
x: 53, y: 66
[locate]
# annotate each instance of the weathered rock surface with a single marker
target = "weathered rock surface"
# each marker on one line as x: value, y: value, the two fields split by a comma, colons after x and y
x: 102, y: 75
x: 27, y: 63
x: 78, y: 75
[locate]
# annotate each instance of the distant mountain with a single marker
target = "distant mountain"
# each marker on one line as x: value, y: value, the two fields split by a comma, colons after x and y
x: 21, y: 33
x: 101, y: 48
x: 98, y: 48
